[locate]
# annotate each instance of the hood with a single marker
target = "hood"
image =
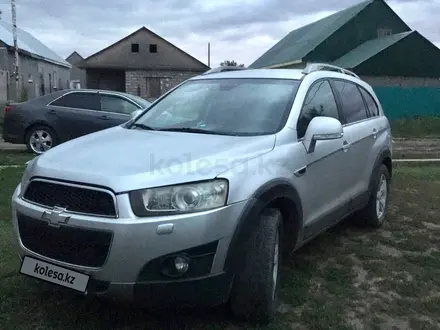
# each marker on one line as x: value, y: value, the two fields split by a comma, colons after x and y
x: 129, y: 159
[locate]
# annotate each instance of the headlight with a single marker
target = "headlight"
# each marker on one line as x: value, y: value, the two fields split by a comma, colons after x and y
x: 191, y: 197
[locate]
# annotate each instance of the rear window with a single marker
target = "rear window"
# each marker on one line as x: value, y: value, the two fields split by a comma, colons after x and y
x: 371, y: 103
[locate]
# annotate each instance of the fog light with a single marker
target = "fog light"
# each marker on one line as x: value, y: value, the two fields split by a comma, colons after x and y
x: 181, y: 264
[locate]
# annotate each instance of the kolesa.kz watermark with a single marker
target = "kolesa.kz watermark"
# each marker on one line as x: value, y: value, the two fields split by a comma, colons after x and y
x: 60, y: 276
x: 206, y: 165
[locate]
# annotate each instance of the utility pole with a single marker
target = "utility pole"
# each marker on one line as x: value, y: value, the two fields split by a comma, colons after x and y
x: 209, y: 54
x: 14, y: 36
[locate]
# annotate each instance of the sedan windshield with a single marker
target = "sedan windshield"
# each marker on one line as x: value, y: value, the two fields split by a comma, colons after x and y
x: 223, y: 106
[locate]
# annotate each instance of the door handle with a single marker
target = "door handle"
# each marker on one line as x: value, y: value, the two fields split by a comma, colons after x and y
x: 104, y: 117
x: 374, y: 133
x: 345, y: 146
x: 52, y: 112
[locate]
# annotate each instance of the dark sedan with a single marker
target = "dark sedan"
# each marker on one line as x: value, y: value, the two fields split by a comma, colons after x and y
x: 43, y: 122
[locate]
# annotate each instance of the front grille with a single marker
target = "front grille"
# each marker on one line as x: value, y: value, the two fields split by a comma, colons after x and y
x: 78, y: 246
x: 74, y: 199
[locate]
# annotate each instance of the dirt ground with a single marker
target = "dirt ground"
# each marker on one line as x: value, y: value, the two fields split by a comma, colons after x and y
x: 416, y: 148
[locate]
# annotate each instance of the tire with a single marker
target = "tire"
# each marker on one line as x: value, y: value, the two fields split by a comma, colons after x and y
x: 370, y: 216
x: 43, y: 132
x: 254, y: 294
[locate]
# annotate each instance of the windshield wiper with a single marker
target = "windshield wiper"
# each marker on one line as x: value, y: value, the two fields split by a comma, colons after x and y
x: 143, y: 126
x: 188, y: 130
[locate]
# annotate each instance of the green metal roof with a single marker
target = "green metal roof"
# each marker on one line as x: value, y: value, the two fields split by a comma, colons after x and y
x: 303, y: 40
x: 368, y: 49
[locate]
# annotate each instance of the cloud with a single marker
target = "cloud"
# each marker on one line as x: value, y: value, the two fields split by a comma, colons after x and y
x: 241, y: 30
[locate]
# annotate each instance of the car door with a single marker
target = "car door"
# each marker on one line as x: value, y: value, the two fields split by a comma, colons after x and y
x: 358, y: 129
x: 327, y: 196
x: 115, y: 109
x: 74, y: 114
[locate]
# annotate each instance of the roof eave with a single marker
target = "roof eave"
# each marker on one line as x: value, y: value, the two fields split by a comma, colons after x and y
x: 356, y: 64
x: 42, y: 58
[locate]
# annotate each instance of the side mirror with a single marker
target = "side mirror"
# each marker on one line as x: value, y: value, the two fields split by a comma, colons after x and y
x: 322, y: 128
x: 136, y: 113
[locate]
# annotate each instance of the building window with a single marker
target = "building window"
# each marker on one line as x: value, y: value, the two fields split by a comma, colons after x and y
x: 135, y: 48
x: 153, y: 48
x: 55, y: 80
x: 381, y: 32
x: 42, y: 89
x: 153, y: 86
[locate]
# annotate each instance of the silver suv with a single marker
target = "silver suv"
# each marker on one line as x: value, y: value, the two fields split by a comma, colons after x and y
x: 195, y: 200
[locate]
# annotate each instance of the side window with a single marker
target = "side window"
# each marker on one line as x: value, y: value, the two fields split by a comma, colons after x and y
x: 88, y: 101
x: 371, y: 103
x: 116, y: 104
x: 353, y: 106
x: 319, y: 101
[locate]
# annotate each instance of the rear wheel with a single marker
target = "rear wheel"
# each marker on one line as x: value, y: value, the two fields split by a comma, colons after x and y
x: 40, y: 139
x: 374, y: 214
x: 254, y: 295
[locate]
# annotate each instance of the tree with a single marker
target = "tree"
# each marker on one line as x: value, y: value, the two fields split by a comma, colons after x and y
x: 231, y: 63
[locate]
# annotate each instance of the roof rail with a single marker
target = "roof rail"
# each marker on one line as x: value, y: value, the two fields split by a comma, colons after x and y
x: 327, y: 67
x: 223, y: 69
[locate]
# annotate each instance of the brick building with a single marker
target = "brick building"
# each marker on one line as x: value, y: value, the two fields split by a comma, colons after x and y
x: 142, y: 64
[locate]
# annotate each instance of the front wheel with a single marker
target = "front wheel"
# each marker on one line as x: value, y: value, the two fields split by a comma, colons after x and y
x: 254, y: 295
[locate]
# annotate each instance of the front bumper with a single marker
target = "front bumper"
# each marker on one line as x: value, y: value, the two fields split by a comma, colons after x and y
x: 132, y: 269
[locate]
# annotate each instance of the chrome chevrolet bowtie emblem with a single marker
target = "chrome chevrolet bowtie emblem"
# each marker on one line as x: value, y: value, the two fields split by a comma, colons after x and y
x: 55, y: 217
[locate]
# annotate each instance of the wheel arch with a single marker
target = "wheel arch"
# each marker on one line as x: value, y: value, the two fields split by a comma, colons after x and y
x: 37, y: 123
x: 384, y: 158
x: 279, y: 194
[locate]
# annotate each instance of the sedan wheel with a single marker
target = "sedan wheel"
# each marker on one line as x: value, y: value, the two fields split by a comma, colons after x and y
x: 40, y: 140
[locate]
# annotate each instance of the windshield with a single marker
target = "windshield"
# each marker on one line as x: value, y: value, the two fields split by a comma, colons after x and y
x: 224, y: 106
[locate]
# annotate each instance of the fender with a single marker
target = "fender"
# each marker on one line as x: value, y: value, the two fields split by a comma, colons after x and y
x: 36, y: 122
x: 261, y: 198
x: 383, y: 154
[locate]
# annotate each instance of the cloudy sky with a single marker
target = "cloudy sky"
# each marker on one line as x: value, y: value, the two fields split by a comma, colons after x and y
x: 241, y: 29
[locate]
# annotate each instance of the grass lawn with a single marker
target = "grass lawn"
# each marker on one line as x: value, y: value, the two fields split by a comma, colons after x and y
x: 15, y: 157
x: 423, y: 127
x: 345, y: 278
